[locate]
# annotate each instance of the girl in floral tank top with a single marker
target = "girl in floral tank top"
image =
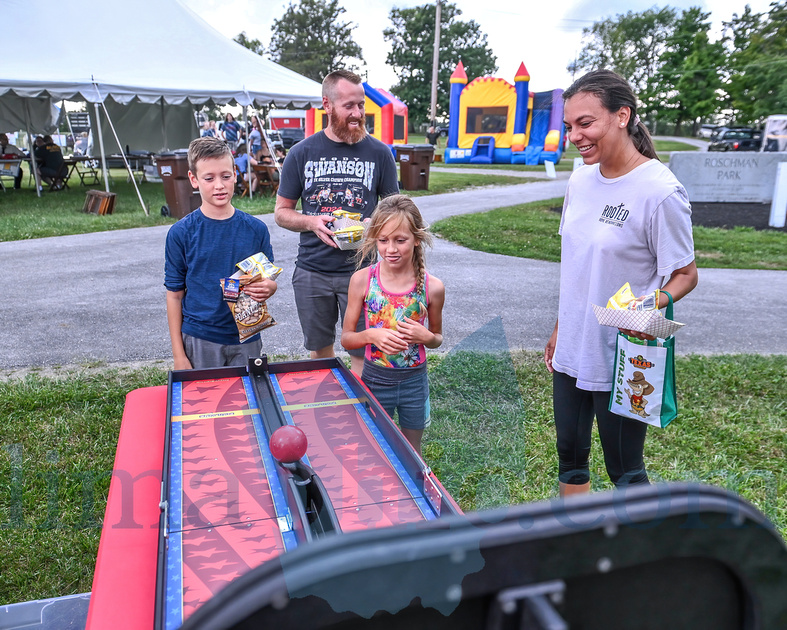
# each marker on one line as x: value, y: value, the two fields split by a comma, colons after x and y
x: 403, y: 307
x: 385, y: 310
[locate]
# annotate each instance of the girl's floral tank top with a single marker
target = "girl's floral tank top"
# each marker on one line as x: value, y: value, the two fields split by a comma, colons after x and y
x: 384, y: 310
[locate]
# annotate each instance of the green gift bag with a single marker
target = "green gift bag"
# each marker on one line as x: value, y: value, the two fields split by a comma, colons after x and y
x: 644, y: 378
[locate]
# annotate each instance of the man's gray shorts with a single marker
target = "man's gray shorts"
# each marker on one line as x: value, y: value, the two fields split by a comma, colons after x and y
x: 207, y: 354
x: 320, y: 299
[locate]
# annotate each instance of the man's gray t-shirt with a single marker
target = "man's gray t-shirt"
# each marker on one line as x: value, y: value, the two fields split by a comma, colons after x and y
x: 327, y: 176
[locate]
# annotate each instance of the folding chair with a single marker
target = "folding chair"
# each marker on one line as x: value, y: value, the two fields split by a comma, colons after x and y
x: 60, y: 182
x: 87, y: 171
x: 241, y: 185
x: 268, y: 177
x: 9, y: 169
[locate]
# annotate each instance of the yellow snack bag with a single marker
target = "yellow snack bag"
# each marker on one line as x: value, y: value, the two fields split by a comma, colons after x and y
x: 624, y: 299
x: 351, y: 234
x: 344, y: 214
x: 258, y: 264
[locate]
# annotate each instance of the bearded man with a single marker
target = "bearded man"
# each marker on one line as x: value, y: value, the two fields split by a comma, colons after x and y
x: 342, y: 156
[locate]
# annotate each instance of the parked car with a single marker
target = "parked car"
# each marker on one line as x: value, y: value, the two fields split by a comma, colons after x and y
x: 291, y: 135
x: 273, y: 136
x: 736, y: 139
x: 706, y: 131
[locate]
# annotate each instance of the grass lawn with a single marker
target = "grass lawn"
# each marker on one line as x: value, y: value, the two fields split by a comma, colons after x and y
x: 530, y: 231
x: 24, y: 215
x: 454, y: 182
x: 491, y: 443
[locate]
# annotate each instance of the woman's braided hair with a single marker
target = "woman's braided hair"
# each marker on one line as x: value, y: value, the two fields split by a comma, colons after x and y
x: 614, y: 92
x: 397, y: 208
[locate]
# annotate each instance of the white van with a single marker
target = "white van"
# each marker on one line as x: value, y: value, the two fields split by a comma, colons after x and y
x: 774, y: 137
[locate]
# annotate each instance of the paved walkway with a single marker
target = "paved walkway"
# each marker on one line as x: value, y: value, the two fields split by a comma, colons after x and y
x: 99, y: 297
x: 499, y: 171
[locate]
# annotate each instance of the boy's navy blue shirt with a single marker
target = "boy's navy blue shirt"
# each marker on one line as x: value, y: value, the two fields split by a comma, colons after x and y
x: 199, y: 252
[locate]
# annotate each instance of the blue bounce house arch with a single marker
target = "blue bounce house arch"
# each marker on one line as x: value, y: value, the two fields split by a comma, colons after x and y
x: 494, y: 122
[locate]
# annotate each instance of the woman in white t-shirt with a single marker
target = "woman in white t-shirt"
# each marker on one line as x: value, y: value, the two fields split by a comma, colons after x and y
x: 625, y: 219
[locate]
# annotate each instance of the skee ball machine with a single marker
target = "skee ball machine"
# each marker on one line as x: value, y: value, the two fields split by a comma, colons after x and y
x: 228, y: 504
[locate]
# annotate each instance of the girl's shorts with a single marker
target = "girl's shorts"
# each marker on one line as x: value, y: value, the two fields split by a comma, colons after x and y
x: 403, y: 390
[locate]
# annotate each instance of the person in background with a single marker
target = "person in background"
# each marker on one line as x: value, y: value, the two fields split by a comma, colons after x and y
x: 433, y: 137
x: 230, y: 131
x: 281, y: 153
x: 207, y: 130
x: 202, y: 248
x: 81, y: 145
x: 7, y: 149
x: 245, y: 162
x: 51, y: 163
x: 625, y: 219
x: 255, y: 137
x: 313, y: 169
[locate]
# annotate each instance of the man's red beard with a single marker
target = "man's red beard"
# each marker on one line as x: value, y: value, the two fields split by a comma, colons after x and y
x: 343, y: 131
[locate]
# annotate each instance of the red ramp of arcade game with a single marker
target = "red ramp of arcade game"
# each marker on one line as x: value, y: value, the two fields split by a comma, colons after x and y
x: 222, y: 514
x: 229, y: 507
x: 366, y: 481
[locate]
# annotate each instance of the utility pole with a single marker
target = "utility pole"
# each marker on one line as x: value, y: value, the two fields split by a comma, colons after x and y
x: 435, y: 65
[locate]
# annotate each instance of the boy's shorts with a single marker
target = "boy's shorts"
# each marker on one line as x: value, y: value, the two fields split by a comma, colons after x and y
x: 403, y: 390
x: 320, y: 299
x: 207, y: 354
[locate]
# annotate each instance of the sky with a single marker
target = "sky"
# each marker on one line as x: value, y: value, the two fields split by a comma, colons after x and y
x: 545, y: 35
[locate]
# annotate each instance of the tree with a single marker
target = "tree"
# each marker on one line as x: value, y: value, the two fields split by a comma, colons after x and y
x: 689, y: 75
x: 412, y: 39
x: 757, y: 63
x: 631, y: 45
x: 738, y: 33
x: 254, y: 45
x: 310, y: 39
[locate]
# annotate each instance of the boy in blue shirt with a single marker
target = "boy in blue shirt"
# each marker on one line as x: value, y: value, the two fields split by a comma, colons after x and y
x: 202, y: 248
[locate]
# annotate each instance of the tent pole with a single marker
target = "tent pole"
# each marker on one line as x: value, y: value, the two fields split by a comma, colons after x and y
x: 70, y: 128
x: 31, y: 148
x: 248, y: 151
x: 125, y: 159
x: 196, y: 124
x: 104, y: 170
x: 164, y: 126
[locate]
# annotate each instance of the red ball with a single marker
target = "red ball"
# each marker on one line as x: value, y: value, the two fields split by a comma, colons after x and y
x: 288, y: 444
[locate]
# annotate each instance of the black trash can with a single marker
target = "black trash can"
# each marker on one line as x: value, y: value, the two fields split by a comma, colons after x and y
x: 414, y: 161
x: 182, y: 198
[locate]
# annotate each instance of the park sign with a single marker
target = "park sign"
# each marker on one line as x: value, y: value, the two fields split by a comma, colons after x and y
x: 731, y: 177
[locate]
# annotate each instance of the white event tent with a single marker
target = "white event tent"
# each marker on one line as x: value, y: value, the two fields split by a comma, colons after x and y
x: 144, y: 66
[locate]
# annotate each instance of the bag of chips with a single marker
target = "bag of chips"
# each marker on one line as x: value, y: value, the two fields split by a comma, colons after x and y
x: 348, y: 233
x: 344, y: 214
x: 625, y: 299
x: 250, y: 315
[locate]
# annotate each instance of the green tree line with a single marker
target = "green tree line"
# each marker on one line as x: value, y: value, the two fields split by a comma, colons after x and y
x: 682, y: 77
